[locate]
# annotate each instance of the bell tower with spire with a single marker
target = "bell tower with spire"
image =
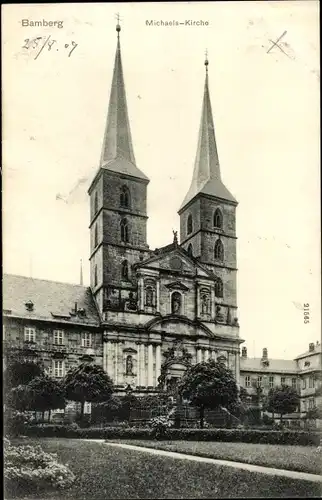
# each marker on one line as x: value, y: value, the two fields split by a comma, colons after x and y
x: 208, y: 212
x: 118, y: 196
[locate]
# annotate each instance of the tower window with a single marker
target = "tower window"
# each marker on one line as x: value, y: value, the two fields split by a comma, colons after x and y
x: 218, y: 219
x: 124, y: 231
x: 149, y: 296
x: 95, y: 275
x: 125, y: 270
x: 219, y: 288
x: 189, y: 224
x: 95, y: 203
x: 219, y: 250
x: 95, y: 236
x: 190, y: 250
x: 176, y: 303
x: 125, y: 197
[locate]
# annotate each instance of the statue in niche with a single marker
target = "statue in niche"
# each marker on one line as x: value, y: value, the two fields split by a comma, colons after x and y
x: 131, y: 302
x: 205, y: 304
x: 176, y: 303
x: 149, y: 296
x: 129, y: 365
x: 219, y: 315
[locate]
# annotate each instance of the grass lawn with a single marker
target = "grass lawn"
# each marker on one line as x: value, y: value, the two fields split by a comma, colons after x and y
x: 105, y: 472
x: 297, y: 458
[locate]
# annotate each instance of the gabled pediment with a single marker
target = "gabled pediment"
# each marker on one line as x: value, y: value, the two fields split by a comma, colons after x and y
x: 176, y: 261
x: 177, y: 285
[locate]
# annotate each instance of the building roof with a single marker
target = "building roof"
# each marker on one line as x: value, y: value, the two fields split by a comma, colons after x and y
x: 117, y: 151
x: 206, y: 176
x: 317, y: 350
x: 52, y: 301
x: 275, y: 365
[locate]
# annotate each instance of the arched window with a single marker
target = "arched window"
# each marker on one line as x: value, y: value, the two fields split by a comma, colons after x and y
x: 189, y: 224
x: 219, y: 288
x: 149, y: 296
x: 219, y: 250
x: 95, y: 203
x: 190, y: 250
x: 95, y: 275
x: 125, y: 270
x: 218, y: 219
x: 124, y: 231
x: 125, y: 197
x: 176, y: 303
x: 95, y: 236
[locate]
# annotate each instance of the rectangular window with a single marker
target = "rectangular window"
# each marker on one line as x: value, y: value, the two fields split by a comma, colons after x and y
x: 88, y: 408
x: 86, y: 340
x: 294, y: 385
x: 303, y: 383
x: 30, y: 334
x: 271, y: 382
x: 259, y: 381
x: 58, y: 368
x: 247, y: 381
x: 311, y: 403
x: 283, y: 380
x: 311, y: 382
x: 58, y: 337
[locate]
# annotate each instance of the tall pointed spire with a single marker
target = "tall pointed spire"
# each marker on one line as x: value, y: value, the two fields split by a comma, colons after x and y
x: 117, y: 143
x: 206, y: 175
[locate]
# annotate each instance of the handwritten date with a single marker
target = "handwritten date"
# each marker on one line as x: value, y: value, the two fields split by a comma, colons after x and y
x: 40, y: 43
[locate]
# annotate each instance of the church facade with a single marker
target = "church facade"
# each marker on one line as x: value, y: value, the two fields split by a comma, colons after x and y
x: 161, y: 310
x: 147, y: 314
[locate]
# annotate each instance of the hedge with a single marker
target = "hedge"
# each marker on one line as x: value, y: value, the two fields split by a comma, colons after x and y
x: 242, y: 435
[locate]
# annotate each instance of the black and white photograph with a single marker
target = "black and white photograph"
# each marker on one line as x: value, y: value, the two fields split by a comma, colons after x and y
x: 161, y: 250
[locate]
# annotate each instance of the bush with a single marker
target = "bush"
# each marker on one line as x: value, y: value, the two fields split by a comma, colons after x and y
x: 17, y: 422
x: 160, y: 427
x: 289, y: 437
x: 29, y: 469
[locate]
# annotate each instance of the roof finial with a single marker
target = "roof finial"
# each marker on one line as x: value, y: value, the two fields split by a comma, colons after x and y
x: 206, y: 60
x: 118, y: 27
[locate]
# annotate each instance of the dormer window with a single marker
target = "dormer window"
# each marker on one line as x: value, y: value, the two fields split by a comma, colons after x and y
x: 125, y: 197
x: 189, y: 224
x: 218, y: 219
x: 29, y: 305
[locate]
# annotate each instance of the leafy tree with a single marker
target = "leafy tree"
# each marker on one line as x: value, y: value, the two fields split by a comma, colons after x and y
x: 282, y: 400
x: 20, y: 372
x: 46, y: 394
x: 87, y: 383
x: 209, y: 385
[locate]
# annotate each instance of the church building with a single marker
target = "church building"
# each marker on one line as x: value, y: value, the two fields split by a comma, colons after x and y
x: 161, y: 310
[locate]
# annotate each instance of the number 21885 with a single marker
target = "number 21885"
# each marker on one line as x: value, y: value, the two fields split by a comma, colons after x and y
x: 306, y: 309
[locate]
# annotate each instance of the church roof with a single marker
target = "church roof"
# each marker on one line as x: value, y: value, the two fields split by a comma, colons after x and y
x: 117, y: 151
x: 51, y: 300
x: 206, y: 175
x: 274, y: 366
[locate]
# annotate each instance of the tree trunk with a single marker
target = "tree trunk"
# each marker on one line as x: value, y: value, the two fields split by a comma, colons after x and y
x: 49, y: 415
x: 281, y: 418
x: 42, y: 416
x: 82, y: 412
x: 202, y: 416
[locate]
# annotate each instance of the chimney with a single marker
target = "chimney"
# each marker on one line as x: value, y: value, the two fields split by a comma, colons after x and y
x: 244, y: 352
x: 264, y: 353
x: 76, y: 307
x: 311, y: 347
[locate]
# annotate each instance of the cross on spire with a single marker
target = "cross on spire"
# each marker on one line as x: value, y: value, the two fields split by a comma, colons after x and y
x: 206, y: 59
x: 118, y: 27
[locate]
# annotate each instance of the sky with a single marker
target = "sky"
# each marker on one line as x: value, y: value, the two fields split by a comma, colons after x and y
x: 266, y: 112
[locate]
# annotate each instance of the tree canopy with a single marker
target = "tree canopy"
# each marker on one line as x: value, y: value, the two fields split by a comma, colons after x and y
x: 45, y: 394
x: 209, y: 385
x: 282, y: 400
x: 88, y: 383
